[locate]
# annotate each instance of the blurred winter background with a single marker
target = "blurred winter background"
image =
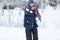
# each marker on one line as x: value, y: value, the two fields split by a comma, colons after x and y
x: 12, y: 19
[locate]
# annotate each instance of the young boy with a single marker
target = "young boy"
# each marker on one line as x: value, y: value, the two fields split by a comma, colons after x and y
x: 30, y: 21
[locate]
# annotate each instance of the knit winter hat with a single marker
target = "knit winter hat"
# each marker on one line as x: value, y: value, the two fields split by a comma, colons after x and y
x: 30, y: 1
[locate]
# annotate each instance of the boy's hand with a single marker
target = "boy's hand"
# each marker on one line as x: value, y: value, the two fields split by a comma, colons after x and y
x: 39, y: 17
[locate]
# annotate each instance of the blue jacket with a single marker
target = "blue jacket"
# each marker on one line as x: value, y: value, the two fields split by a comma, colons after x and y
x: 29, y: 18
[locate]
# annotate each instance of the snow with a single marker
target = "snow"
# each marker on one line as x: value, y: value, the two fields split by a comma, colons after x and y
x: 51, y: 17
x: 49, y: 27
x: 13, y: 33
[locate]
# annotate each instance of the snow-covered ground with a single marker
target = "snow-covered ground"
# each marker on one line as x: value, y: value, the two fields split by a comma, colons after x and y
x: 13, y: 33
x: 49, y: 28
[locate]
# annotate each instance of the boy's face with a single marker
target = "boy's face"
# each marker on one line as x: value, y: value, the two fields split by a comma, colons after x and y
x: 31, y: 4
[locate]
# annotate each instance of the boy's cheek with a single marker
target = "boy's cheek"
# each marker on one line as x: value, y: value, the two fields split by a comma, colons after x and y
x: 33, y: 8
